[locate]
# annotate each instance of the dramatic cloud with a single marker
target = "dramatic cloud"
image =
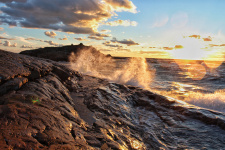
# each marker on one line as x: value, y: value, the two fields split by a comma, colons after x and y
x: 207, y: 39
x: 125, y: 41
x: 1, y: 28
x: 73, y: 16
x: 122, y: 5
x: 63, y: 39
x: 26, y: 46
x: 81, y: 39
x: 50, y: 34
x: 121, y: 23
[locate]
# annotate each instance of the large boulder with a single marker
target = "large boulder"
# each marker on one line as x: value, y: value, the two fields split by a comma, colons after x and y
x: 46, y: 105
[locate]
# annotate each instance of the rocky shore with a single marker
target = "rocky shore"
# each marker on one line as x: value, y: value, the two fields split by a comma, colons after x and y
x: 46, y: 105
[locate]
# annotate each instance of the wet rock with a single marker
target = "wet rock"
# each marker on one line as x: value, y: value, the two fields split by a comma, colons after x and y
x: 46, y: 105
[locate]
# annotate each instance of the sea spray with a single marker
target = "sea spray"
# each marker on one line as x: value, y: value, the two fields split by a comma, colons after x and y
x: 91, y: 63
x: 214, y: 101
x: 134, y: 71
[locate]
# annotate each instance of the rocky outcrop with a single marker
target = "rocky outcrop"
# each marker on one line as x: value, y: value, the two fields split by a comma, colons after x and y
x: 45, y: 105
x: 62, y: 53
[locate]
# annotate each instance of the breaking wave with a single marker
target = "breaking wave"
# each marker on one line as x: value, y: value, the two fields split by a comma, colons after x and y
x: 134, y: 71
x: 137, y: 72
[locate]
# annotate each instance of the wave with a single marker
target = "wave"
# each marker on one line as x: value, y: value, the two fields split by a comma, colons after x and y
x: 134, y: 71
x: 137, y: 72
x: 214, y: 101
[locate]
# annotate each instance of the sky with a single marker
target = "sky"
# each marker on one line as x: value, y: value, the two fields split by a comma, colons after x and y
x: 181, y: 29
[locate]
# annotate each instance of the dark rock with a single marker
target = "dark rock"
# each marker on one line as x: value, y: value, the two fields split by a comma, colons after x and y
x: 46, y: 105
x: 61, y: 53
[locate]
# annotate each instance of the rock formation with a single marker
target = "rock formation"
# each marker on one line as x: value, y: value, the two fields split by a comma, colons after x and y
x: 46, y: 105
x: 61, y: 53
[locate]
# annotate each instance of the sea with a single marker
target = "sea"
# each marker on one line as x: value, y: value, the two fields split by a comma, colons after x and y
x: 196, y: 82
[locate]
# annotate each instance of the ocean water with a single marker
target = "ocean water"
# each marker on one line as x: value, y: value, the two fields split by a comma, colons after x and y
x: 195, y: 82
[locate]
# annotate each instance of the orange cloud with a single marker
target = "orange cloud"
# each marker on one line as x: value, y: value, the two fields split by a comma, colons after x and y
x: 121, y: 5
x: 207, y: 39
x: 213, y: 45
x: 168, y: 48
x: 80, y: 39
x: 195, y: 36
x: 50, y: 34
x: 82, y: 16
x: 178, y: 46
x: 63, y: 39
x: 122, y: 23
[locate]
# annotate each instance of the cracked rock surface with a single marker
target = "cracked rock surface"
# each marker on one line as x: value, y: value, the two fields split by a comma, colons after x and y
x: 45, y: 105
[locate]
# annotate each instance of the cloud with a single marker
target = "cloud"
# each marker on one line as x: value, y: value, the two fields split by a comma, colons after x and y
x: 8, y: 44
x: 52, y: 43
x: 105, y: 31
x: 80, y: 39
x: 128, y: 42
x: 207, y: 39
x: 4, y: 38
x: 121, y: 23
x: 72, y: 16
x: 195, y: 36
x: 1, y: 37
x: 107, y: 43
x: 99, y: 36
x: 14, y: 45
x: 213, y: 45
x: 96, y: 37
x: 33, y: 39
x: 122, y: 5
x: 168, y: 48
x: 63, y: 39
x: 50, y: 34
x: 102, y: 35
x: 1, y: 28
x: 26, y: 46
x: 178, y: 46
